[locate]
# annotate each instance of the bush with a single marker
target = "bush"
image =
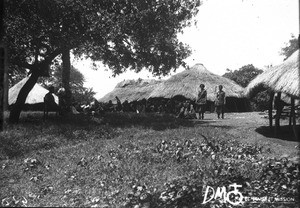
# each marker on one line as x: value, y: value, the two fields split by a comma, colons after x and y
x: 260, y: 102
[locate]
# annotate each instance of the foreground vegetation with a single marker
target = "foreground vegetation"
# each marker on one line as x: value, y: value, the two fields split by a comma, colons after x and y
x: 136, y: 160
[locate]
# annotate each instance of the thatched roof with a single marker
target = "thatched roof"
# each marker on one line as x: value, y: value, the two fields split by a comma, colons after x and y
x: 131, y: 90
x: 284, y: 77
x: 36, y: 95
x: 187, y: 84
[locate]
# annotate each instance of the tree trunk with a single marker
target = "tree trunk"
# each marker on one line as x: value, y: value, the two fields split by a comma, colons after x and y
x: 270, y: 110
x: 18, y: 106
x: 3, y: 88
x: 293, y: 115
x: 66, y: 77
x: 278, y: 113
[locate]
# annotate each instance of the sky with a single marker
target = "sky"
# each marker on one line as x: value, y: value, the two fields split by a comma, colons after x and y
x: 229, y: 34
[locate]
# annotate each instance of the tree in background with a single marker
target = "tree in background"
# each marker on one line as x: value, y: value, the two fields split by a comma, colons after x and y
x: 243, y: 75
x: 122, y: 34
x: 80, y: 94
x: 15, y: 75
x: 260, y: 101
x: 290, y: 47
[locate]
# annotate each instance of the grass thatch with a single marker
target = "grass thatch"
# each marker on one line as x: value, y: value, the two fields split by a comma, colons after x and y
x: 284, y: 77
x: 187, y: 84
x: 131, y: 90
x: 36, y: 95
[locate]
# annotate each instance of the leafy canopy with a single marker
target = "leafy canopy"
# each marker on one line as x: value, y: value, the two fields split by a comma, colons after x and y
x: 122, y: 34
x: 290, y: 47
x: 243, y: 75
x: 80, y: 94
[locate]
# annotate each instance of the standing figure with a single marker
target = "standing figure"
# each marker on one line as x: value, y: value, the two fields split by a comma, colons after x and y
x: 62, y: 100
x: 220, y: 102
x: 49, y: 102
x: 110, y: 106
x: 201, y: 102
x: 126, y: 106
x: 119, y: 104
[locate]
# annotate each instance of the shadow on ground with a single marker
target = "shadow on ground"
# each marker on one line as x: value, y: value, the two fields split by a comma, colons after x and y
x: 35, y: 118
x: 153, y: 121
x: 285, y: 133
x: 114, y: 119
x: 33, y: 133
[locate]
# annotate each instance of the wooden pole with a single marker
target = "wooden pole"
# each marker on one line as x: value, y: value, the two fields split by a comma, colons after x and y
x: 296, y: 133
x: 291, y: 115
x: 271, y: 109
x: 278, y: 113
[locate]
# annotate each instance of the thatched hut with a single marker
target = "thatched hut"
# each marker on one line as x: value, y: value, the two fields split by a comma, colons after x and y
x: 186, y: 85
x: 35, y: 98
x: 131, y: 90
x: 283, y: 78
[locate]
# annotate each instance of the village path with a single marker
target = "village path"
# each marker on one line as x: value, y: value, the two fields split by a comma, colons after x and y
x: 252, y: 128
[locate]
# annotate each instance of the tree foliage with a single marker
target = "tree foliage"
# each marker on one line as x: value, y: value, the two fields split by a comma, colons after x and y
x: 243, y: 75
x: 123, y: 34
x: 290, y: 47
x: 80, y: 94
x: 15, y: 75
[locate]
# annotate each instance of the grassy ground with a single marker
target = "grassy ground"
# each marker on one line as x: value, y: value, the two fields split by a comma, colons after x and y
x: 138, y: 160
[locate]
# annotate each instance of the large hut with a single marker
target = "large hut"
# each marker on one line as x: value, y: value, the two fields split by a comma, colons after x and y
x: 35, y: 98
x: 131, y: 90
x: 281, y: 79
x: 185, y: 85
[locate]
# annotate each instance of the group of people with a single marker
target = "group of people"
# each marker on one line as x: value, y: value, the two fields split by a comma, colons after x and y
x: 188, y: 110
x: 51, y: 105
x: 220, y: 102
x: 182, y: 109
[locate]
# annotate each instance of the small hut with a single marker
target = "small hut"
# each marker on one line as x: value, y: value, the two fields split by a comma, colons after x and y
x: 35, y: 98
x: 186, y: 85
x: 283, y: 78
x: 131, y: 90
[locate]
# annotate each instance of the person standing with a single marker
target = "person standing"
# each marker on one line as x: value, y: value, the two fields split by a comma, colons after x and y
x: 220, y: 102
x: 119, y: 104
x: 201, y: 102
x: 49, y: 102
x: 62, y: 100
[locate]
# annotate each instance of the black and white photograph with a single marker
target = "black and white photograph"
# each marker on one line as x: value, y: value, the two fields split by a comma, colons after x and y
x: 150, y: 103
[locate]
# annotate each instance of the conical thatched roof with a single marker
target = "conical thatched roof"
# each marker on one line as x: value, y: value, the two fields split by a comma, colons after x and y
x: 187, y: 84
x: 284, y: 77
x: 131, y: 90
x: 36, y: 95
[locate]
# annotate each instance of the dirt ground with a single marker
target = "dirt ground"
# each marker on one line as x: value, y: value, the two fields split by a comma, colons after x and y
x: 253, y: 127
